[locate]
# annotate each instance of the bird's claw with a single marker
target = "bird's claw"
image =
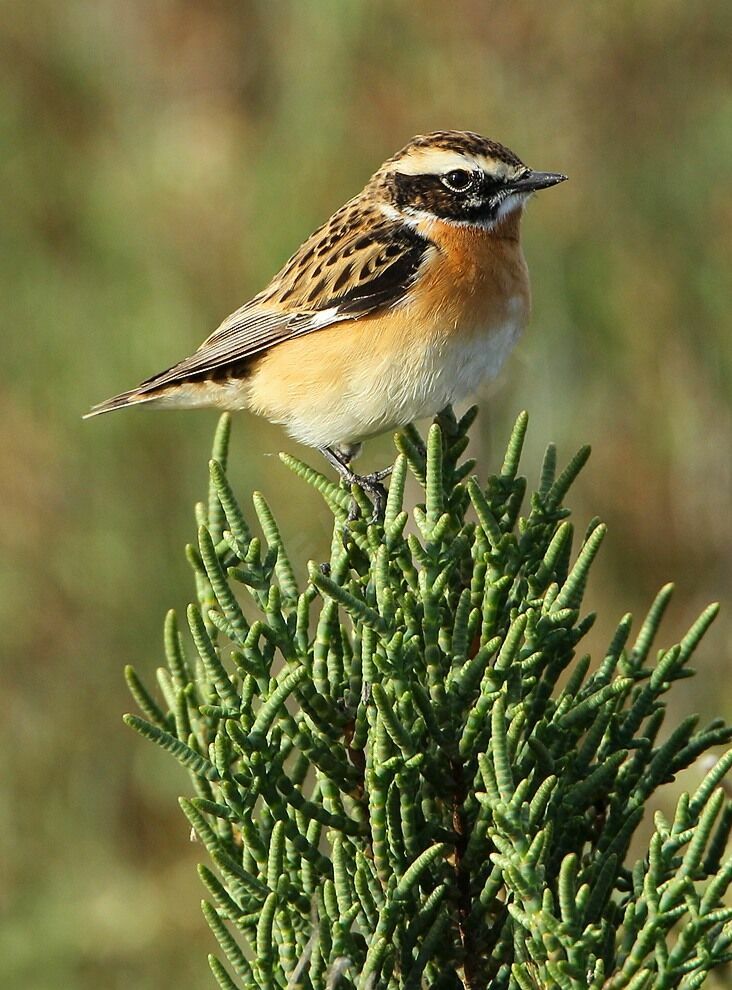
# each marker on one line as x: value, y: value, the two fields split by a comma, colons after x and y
x: 371, y: 484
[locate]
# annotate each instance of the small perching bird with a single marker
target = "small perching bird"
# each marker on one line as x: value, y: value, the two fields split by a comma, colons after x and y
x: 401, y: 304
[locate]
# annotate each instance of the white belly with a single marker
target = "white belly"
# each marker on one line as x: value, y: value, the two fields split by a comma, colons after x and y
x: 388, y: 394
x: 456, y: 371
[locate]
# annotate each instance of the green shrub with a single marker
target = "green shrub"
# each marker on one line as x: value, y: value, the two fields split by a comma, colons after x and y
x: 394, y: 786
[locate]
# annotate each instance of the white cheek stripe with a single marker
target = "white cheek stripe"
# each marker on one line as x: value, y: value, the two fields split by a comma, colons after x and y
x: 414, y: 217
x: 513, y: 202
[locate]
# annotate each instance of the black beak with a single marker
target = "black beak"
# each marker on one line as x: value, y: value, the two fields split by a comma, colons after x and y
x: 530, y: 181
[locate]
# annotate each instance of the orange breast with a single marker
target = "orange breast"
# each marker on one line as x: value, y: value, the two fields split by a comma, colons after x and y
x: 478, y: 281
x: 362, y: 377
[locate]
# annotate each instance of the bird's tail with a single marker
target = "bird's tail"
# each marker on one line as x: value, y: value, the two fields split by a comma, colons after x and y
x: 134, y: 397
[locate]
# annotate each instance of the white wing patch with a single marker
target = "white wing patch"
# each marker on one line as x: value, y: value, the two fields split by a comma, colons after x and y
x: 322, y: 319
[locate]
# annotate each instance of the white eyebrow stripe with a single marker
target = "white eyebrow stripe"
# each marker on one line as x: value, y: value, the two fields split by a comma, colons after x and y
x: 438, y: 161
x: 497, y: 168
x: 433, y: 161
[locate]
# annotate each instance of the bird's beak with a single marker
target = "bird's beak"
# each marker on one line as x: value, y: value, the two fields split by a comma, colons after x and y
x: 530, y: 181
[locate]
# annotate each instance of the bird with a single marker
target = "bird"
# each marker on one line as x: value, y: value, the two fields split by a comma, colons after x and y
x: 412, y: 293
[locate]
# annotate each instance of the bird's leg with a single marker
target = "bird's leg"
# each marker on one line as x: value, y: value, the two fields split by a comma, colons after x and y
x: 370, y: 483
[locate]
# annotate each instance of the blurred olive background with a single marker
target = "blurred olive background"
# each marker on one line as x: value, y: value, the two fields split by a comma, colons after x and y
x: 160, y: 160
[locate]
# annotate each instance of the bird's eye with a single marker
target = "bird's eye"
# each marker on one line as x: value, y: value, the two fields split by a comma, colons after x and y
x: 458, y: 180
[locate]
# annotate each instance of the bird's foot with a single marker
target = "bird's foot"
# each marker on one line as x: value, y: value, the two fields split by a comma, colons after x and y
x: 371, y: 484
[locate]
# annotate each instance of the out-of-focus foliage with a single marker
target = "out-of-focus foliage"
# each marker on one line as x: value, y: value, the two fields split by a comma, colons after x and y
x: 159, y: 161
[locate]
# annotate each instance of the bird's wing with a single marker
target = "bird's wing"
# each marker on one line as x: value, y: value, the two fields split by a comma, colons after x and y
x: 342, y: 272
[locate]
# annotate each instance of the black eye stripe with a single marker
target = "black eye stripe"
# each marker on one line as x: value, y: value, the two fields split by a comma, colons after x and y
x: 428, y: 193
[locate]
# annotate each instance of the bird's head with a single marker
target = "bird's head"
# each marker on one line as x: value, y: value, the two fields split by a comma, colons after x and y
x: 460, y: 177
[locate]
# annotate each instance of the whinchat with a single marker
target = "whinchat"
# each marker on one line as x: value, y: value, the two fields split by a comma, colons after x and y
x: 402, y: 303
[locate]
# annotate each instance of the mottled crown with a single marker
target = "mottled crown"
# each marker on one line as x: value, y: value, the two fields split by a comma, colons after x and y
x: 460, y: 142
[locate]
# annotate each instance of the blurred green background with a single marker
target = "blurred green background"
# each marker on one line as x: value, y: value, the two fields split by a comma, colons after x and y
x: 160, y: 160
